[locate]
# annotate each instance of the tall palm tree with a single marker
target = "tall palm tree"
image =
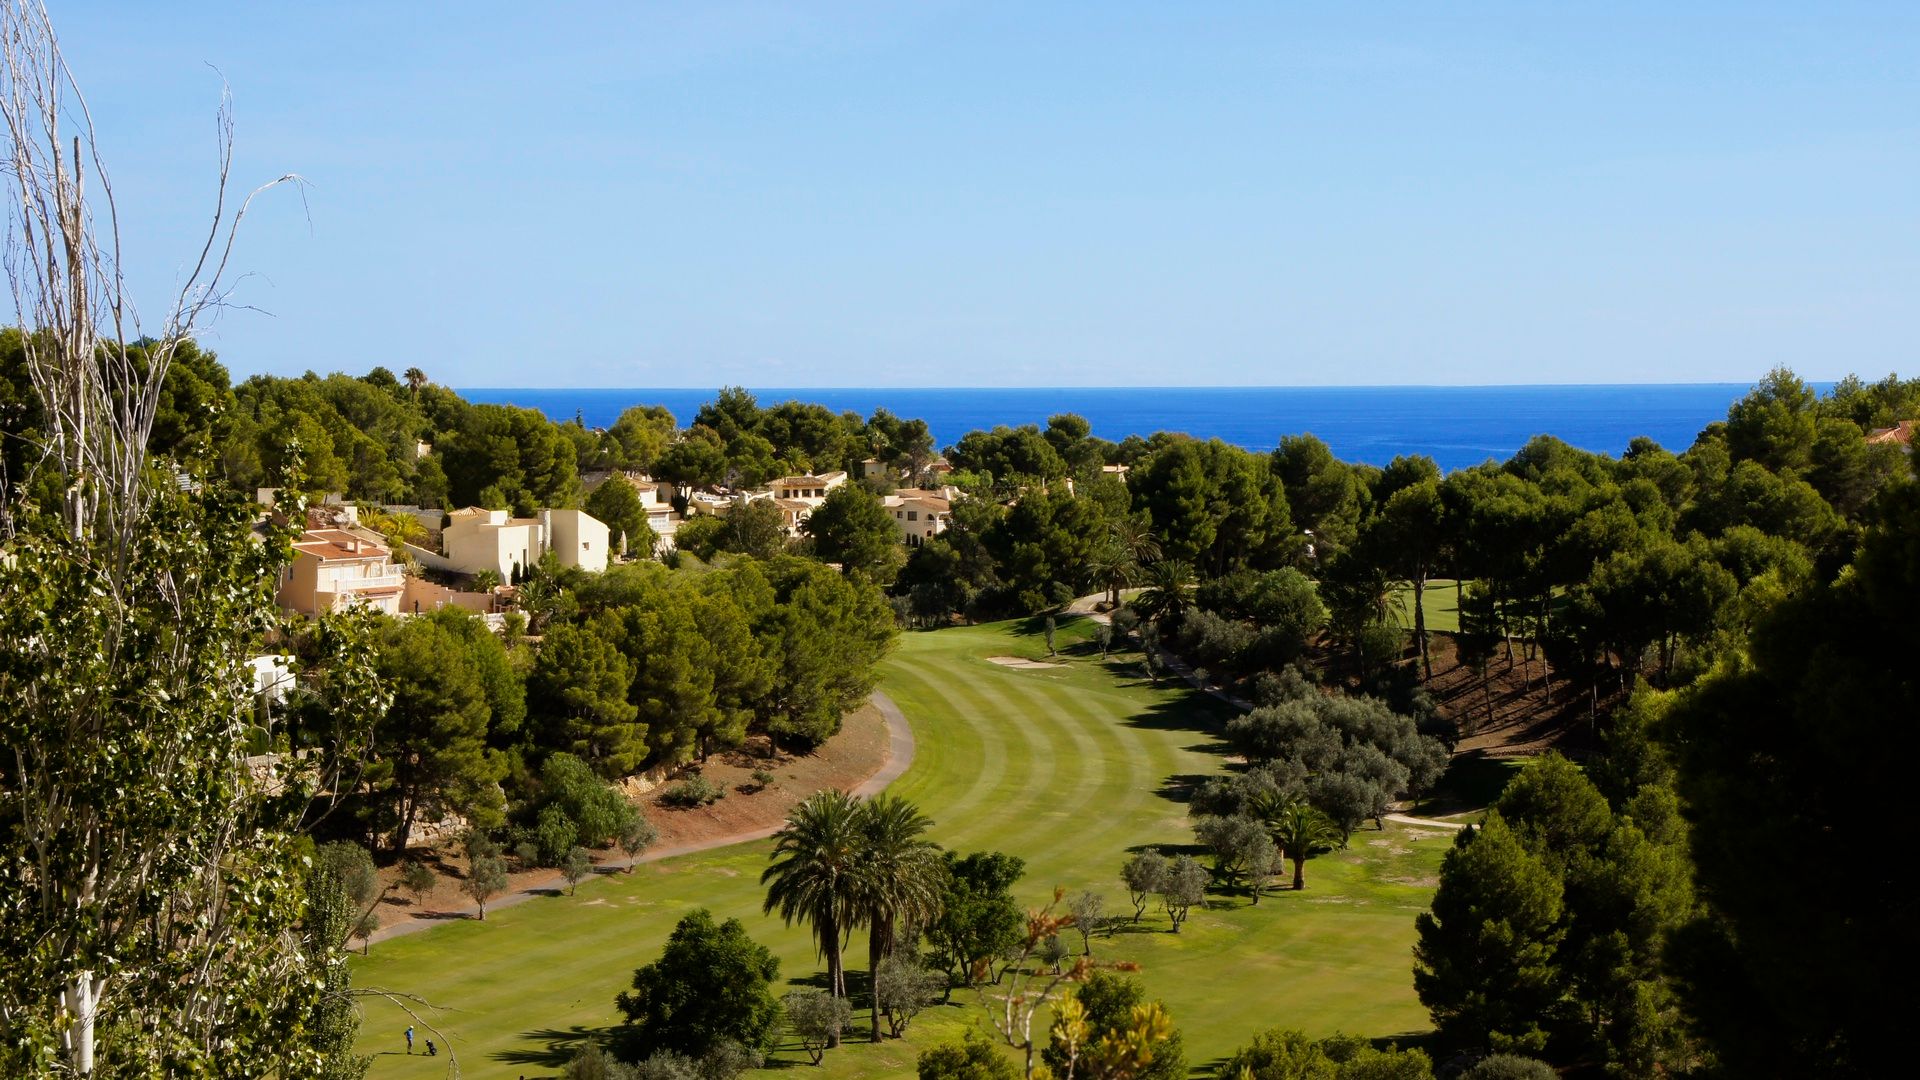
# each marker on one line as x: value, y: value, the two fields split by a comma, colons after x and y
x: 415, y: 379
x: 1298, y: 830
x: 819, y: 866
x: 901, y: 887
x: 1136, y: 538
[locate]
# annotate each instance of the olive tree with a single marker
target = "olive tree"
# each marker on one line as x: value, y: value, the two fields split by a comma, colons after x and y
x: 1144, y: 875
x: 1185, y: 886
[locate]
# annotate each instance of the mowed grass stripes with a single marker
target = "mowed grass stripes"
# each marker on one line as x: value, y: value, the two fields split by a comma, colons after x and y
x: 1070, y: 768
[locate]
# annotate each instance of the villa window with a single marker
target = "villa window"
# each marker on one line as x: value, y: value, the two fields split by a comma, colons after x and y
x: 913, y: 515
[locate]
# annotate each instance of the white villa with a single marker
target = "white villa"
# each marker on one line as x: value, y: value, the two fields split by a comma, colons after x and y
x: 477, y: 539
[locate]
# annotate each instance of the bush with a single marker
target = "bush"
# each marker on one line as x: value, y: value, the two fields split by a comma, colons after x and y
x: 728, y: 1059
x: 554, y: 834
x: 974, y: 1059
x: 667, y: 1065
x: 691, y: 792
x: 591, y: 1062
x: 1108, y: 1001
x: 1209, y: 640
x: 1289, y: 684
x: 1285, y: 1055
x: 599, y: 810
x: 1509, y: 1067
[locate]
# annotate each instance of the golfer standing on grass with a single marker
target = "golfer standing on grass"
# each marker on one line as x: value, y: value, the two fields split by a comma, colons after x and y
x: 409, y: 1038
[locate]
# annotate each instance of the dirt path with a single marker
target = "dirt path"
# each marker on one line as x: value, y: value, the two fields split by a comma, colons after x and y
x: 900, y: 750
x: 1427, y: 823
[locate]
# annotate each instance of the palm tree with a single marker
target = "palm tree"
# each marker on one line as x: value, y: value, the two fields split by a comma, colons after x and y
x: 1167, y: 585
x: 415, y: 379
x: 1136, y: 538
x: 1112, y: 568
x: 901, y: 888
x: 1298, y: 830
x: 819, y: 866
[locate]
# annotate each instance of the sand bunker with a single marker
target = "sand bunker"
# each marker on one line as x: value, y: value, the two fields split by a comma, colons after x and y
x: 1020, y: 662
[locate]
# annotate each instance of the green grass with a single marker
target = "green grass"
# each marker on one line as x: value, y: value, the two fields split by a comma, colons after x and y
x: 1068, y: 768
x: 1441, y: 604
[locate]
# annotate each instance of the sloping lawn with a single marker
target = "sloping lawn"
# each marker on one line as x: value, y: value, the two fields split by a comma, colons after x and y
x: 1067, y: 767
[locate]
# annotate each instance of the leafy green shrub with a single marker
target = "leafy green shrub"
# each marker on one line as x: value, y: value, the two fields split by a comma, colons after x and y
x: 554, y: 834
x: 691, y: 792
x: 1509, y: 1067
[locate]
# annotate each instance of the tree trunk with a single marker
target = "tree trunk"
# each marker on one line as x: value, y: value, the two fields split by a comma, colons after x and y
x: 1299, y: 872
x: 876, y: 952
x: 1420, y: 623
x: 404, y: 831
x: 836, y: 978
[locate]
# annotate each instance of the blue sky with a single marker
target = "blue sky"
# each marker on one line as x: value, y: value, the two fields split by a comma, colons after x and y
x: 984, y: 194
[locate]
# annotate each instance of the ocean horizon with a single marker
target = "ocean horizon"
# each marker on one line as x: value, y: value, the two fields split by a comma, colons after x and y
x: 1457, y: 426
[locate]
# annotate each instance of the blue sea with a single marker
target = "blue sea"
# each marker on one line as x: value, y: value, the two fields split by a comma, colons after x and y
x: 1457, y: 426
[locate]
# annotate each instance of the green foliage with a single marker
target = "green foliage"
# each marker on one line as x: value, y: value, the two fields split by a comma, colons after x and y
x: 817, y: 1019
x: 1184, y: 888
x: 598, y: 811
x: 517, y: 453
x: 128, y: 810
x: 972, y: 1059
x: 1108, y: 1001
x: 1485, y: 966
x: 431, y: 752
x: 903, y: 987
x: 554, y: 834
x: 1215, y: 506
x: 712, y: 984
x: 979, y: 918
x: 331, y: 917
x: 816, y: 874
x: 486, y: 879
x: 1144, y: 875
x: 1798, y: 963
x: 592, y: 1062
x: 852, y: 528
x: 1509, y: 1067
x: 577, y: 695
x: 693, y: 791
x: 576, y: 866
x: 1281, y: 1054
x: 418, y: 879
x: 618, y: 506
x: 350, y: 868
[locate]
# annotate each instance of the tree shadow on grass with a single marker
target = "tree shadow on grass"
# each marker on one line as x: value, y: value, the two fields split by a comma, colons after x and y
x: 557, y: 1046
x: 1179, y: 787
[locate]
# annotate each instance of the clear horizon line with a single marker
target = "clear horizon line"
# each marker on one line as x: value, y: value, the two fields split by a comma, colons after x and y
x: 1146, y: 386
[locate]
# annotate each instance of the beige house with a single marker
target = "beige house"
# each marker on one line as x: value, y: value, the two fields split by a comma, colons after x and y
x: 920, y: 514
x: 477, y: 540
x: 811, y: 490
x: 334, y: 569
